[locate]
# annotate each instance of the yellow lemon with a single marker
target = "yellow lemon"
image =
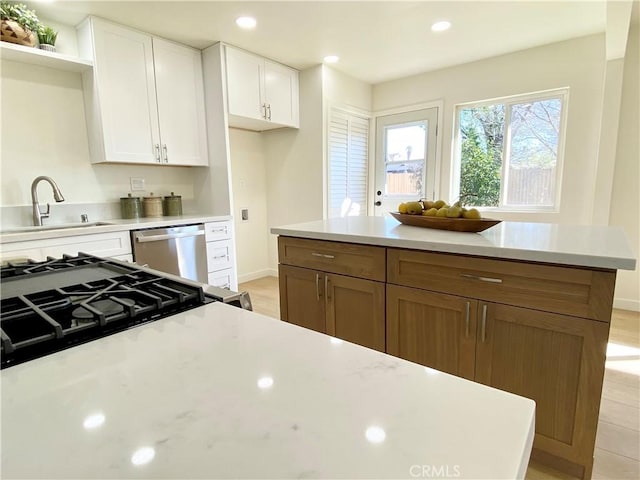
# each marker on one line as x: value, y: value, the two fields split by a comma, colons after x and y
x: 442, y: 212
x: 472, y: 213
x: 430, y: 213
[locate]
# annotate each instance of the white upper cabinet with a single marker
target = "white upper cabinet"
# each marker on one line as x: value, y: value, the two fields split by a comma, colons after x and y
x: 144, y: 99
x: 180, y: 92
x: 261, y: 94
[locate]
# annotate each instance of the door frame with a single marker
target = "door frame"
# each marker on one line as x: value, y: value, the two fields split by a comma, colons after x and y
x: 373, y: 143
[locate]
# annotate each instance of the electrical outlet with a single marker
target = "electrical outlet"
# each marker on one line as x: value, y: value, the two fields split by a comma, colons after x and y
x: 244, y: 214
x: 137, y: 184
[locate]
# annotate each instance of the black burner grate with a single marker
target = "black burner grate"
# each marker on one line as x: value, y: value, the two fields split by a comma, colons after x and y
x: 35, y: 322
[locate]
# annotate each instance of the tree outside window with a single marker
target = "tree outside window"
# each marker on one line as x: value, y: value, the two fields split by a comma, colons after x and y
x: 509, y: 152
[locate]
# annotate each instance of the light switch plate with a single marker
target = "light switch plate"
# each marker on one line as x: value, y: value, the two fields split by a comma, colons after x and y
x: 137, y: 183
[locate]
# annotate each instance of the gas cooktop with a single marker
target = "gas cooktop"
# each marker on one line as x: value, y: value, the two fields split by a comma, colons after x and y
x: 49, y: 306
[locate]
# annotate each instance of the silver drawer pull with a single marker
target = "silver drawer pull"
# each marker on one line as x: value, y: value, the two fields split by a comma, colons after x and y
x: 323, y: 255
x: 466, y: 319
x: 219, y: 230
x: 218, y: 257
x: 482, y: 279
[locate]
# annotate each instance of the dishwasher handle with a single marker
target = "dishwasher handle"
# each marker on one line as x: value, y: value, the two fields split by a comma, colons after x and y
x: 141, y: 238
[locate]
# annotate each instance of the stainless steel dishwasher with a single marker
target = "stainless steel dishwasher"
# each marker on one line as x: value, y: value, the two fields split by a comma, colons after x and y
x: 180, y: 250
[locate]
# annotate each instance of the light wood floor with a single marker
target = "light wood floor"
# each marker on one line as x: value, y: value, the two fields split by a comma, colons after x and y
x: 617, y: 454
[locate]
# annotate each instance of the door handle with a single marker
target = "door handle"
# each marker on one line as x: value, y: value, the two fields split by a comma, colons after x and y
x: 317, y: 287
x: 326, y: 288
x: 156, y: 238
x: 466, y: 319
x: 378, y: 203
x: 166, y: 155
x: 269, y: 110
x: 158, y: 153
x: 483, y: 331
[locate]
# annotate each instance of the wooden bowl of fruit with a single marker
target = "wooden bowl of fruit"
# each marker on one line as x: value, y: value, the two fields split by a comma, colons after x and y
x: 441, y: 216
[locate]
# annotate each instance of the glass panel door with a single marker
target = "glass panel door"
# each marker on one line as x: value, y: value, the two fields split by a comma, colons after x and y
x: 405, y: 158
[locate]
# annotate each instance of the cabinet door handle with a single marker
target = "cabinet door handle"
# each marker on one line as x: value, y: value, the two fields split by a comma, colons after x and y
x: 264, y: 110
x: 483, y: 332
x: 317, y: 287
x: 269, y: 110
x: 466, y: 319
x: 482, y: 279
x: 326, y: 288
x: 166, y: 155
x: 158, y: 153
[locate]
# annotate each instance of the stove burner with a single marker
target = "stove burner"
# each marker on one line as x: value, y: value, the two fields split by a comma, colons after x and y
x: 106, y: 307
x: 53, y: 305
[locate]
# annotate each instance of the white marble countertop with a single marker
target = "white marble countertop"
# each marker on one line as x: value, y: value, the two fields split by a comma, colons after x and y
x: 23, y: 234
x: 579, y: 245
x: 220, y: 392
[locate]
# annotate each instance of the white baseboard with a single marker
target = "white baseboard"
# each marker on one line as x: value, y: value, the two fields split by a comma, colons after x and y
x: 626, y: 304
x: 267, y: 272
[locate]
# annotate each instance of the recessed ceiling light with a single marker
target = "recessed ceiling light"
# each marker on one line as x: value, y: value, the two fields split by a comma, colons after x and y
x: 246, y: 22
x: 331, y: 59
x: 441, y: 26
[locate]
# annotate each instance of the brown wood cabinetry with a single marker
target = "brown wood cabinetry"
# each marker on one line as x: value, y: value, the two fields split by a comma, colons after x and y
x: 335, y: 288
x: 433, y: 329
x: 536, y: 330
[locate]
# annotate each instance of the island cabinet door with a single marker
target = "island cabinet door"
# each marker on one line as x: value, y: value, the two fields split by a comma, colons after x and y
x: 433, y: 329
x: 302, y: 297
x: 355, y: 310
x: 555, y: 360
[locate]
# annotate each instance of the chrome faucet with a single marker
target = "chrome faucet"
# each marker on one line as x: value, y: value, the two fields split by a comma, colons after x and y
x: 38, y: 214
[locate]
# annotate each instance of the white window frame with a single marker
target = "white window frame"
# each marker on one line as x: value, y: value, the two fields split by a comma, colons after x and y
x: 561, y: 93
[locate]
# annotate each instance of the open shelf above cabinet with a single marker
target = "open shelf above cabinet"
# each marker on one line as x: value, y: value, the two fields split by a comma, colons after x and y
x: 35, y: 56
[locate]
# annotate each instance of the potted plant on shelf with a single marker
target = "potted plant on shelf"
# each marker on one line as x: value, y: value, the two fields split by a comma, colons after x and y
x: 47, y: 38
x: 18, y: 24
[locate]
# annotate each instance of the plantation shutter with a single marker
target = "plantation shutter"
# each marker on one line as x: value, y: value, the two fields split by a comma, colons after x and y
x: 348, y: 163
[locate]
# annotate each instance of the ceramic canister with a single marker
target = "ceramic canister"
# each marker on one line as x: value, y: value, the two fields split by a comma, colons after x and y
x: 172, y: 205
x: 152, y: 206
x: 130, y: 207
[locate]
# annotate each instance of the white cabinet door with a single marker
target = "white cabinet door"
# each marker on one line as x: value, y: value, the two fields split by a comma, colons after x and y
x: 244, y: 84
x: 180, y: 93
x: 124, y: 84
x: 261, y: 94
x: 281, y: 93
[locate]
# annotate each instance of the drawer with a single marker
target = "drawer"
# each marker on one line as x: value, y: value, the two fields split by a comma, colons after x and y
x: 217, y: 230
x: 221, y: 278
x: 361, y: 261
x: 551, y: 288
x: 219, y: 255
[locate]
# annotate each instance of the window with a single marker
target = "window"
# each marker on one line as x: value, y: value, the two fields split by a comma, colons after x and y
x: 348, y: 163
x: 509, y: 152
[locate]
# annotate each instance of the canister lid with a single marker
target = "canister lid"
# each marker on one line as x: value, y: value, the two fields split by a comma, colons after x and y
x: 152, y: 197
x: 129, y: 197
x: 173, y: 195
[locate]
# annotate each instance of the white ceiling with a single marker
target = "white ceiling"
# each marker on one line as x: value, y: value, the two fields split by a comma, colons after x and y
x: 376, y: 41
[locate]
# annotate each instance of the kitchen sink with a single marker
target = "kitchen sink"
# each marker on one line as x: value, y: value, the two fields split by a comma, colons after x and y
x: 63, y: 226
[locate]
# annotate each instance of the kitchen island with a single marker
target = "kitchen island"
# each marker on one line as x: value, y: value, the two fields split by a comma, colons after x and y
x: 220, y: 392
x: 523, y: 307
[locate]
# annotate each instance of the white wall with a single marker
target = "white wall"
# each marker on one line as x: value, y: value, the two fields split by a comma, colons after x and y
x: 44, y: 133
x: 249, y: 187
x: 577, y: 64
x: 625, y: 198
x: 295, y: 163
x: 344, y: 90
